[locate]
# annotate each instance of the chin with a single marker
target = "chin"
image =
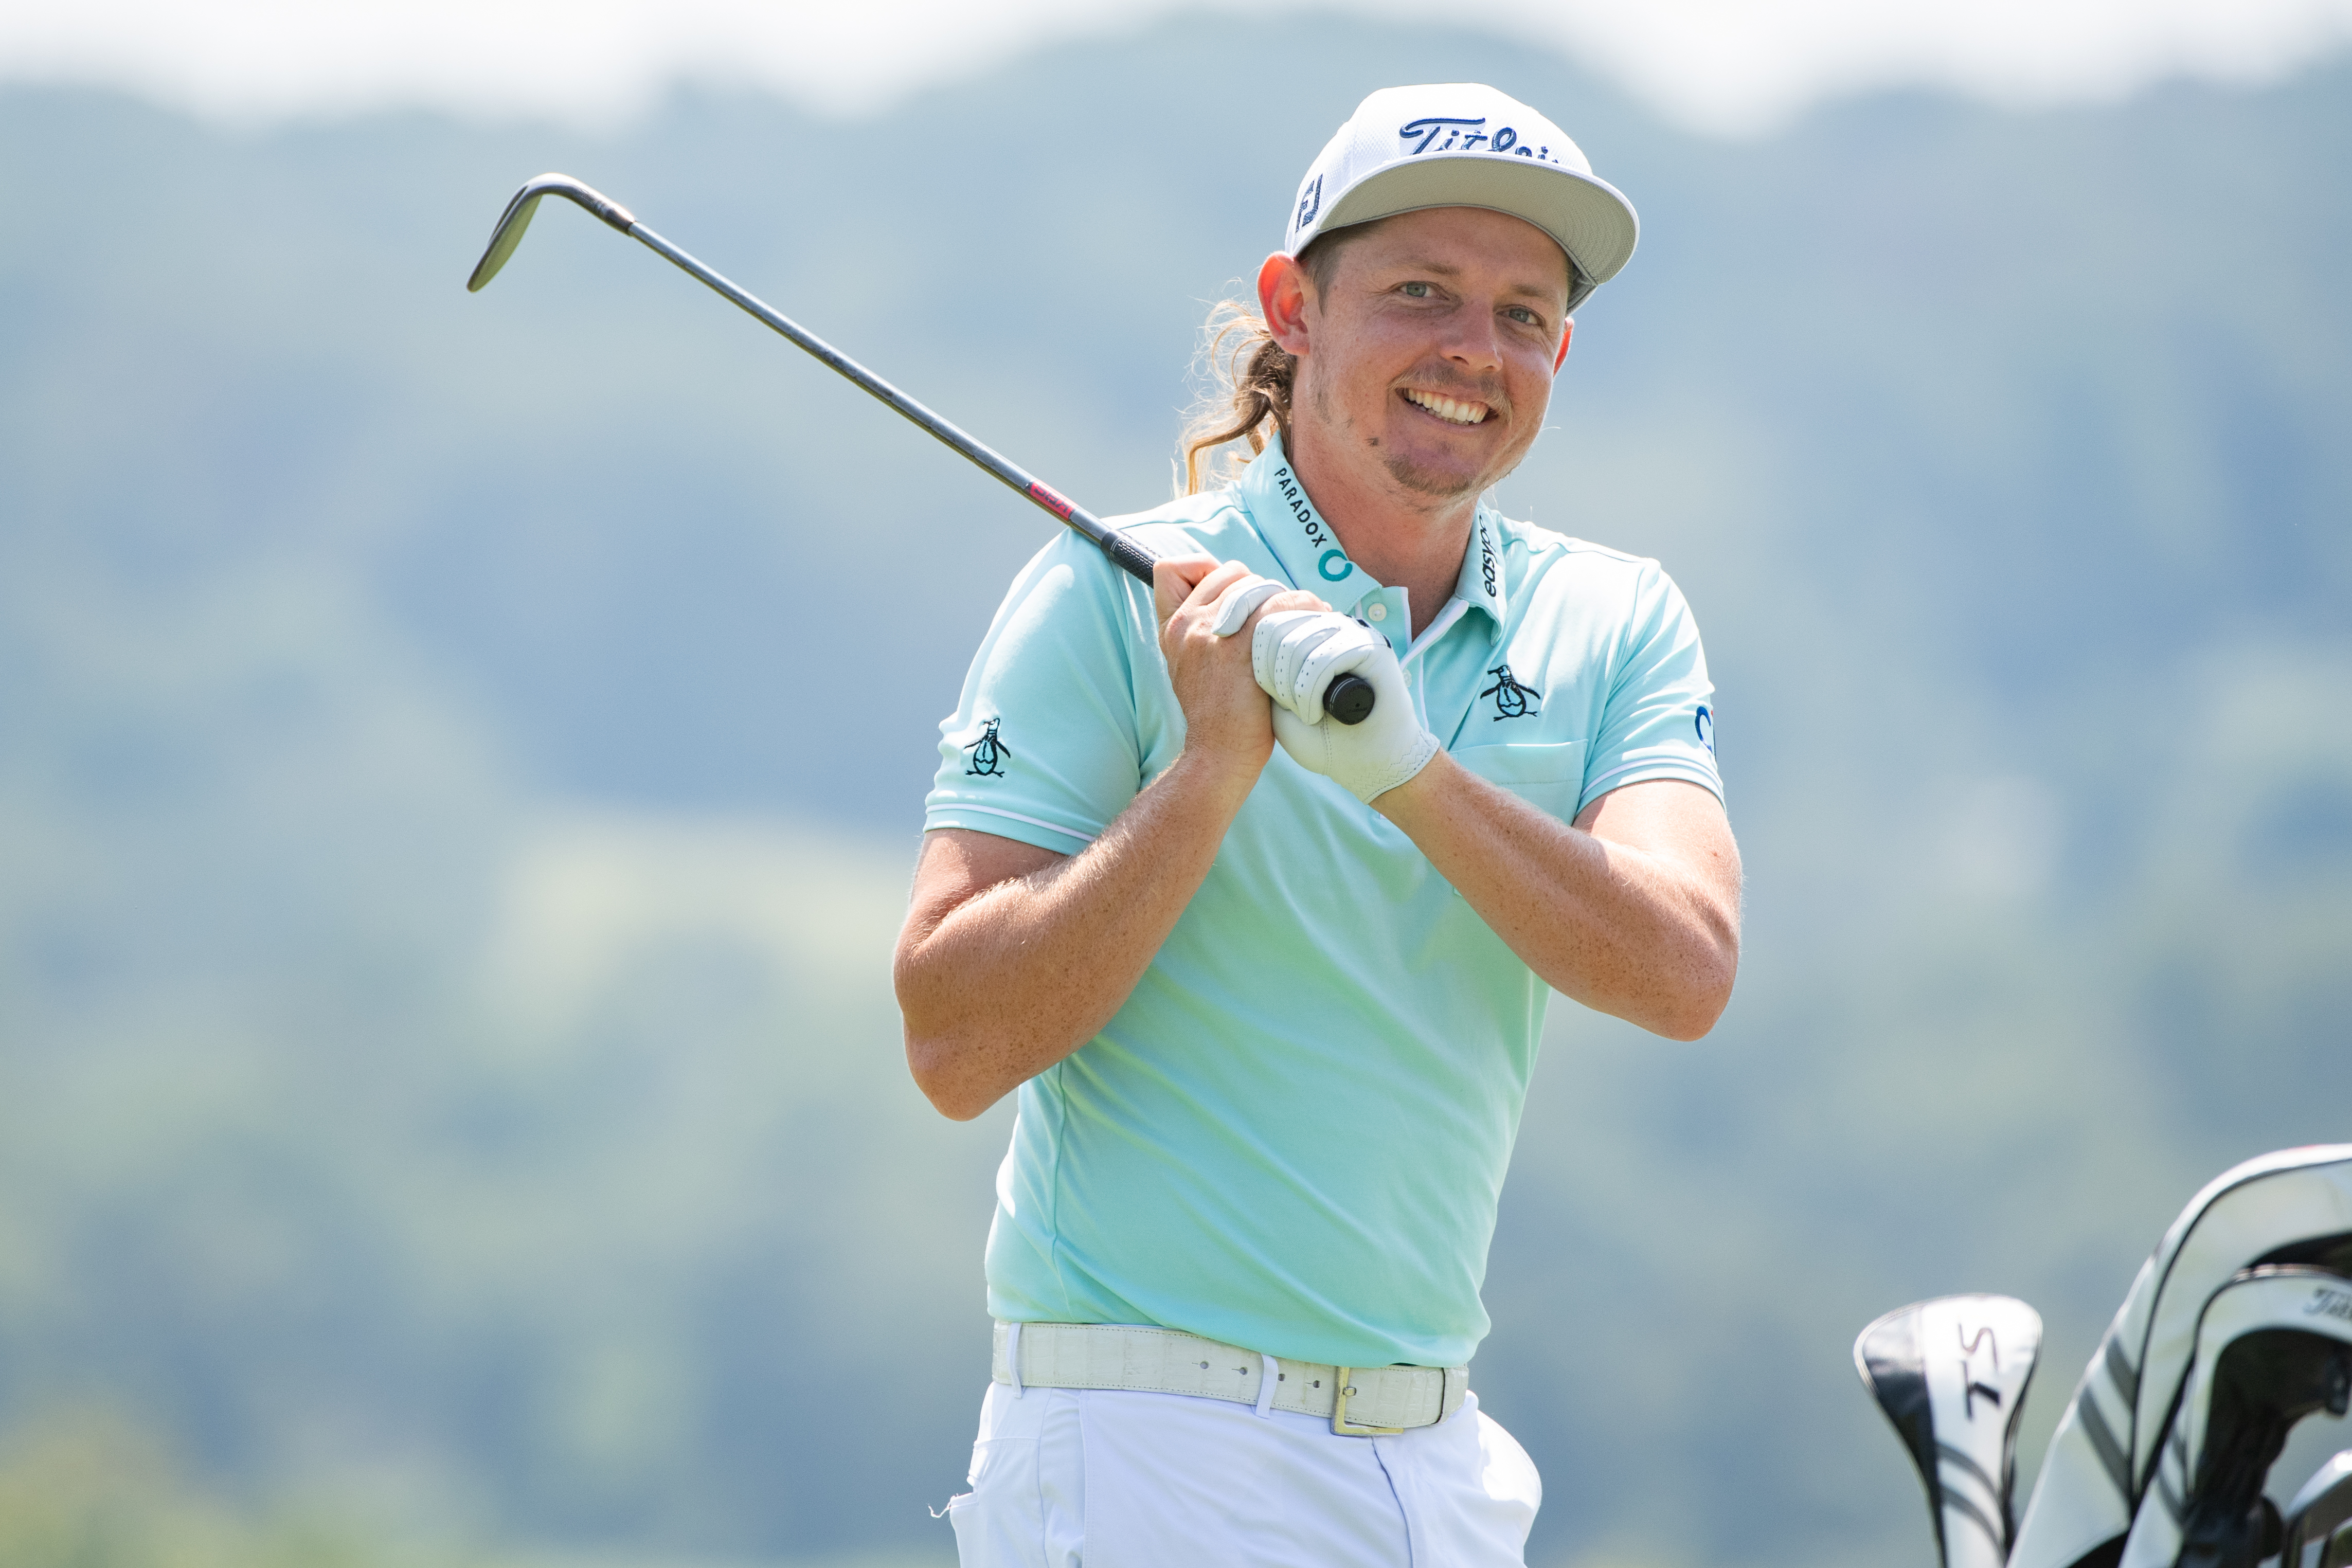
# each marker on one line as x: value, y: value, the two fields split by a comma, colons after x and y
x: 1441, y: 481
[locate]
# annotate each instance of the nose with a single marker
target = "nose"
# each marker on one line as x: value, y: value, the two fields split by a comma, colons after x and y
x: 1472, y: 342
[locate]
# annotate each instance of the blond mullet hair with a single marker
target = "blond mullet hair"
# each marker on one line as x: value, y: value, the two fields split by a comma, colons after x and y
x: 1249, y: 376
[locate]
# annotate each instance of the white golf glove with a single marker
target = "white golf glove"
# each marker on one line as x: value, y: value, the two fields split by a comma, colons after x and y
x: 1296, y: 655
x: 1239, y: 601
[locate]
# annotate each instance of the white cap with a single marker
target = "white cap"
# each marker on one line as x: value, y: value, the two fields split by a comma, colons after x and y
x: 1461, y: 145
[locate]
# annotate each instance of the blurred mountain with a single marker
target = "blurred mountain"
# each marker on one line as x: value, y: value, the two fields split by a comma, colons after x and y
x: 460, y: 758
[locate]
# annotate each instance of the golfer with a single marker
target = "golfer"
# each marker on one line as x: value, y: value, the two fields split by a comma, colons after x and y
x: 1269, y: 986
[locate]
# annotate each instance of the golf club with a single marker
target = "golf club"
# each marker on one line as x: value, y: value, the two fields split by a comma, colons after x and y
x: 1348, y: 699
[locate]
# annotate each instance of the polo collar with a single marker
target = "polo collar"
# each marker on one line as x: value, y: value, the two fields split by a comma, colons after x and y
x: 1312, y: 557
x: 1480, y: 586
x: 1311, y: 553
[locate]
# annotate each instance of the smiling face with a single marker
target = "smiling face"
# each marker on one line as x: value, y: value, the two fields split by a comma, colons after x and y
x: 1429, y: 352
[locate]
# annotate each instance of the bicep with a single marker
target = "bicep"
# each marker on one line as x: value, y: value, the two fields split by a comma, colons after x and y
x: 959, y: 863
x: 1674, y: 820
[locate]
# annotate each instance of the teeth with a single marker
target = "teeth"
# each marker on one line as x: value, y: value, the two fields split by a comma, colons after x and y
x: 1445, y: 408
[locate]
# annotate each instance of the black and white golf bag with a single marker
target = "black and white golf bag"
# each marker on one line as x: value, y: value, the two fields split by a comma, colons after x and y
x: 2238, y: 1326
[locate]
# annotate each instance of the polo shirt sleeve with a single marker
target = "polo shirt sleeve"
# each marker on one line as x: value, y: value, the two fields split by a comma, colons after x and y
x: 1659, y: 719
x: 1045, y: 746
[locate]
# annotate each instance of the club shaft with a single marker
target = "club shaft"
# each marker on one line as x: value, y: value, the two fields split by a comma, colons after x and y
x: 1119, y: 546
x: 1349, y: 699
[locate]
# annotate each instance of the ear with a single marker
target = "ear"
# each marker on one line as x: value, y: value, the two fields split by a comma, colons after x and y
x: 1567, y: 331
x: 1282, y: 290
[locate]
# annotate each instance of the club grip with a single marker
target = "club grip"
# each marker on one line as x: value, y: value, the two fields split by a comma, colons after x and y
x: 1348, y: 699
x: 1125, y: 554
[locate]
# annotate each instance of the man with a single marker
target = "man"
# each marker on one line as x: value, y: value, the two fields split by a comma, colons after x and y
x: 1270, y: 1008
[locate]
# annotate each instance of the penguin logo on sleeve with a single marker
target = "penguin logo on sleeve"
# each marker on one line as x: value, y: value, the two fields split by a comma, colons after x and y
x: 989, y: 755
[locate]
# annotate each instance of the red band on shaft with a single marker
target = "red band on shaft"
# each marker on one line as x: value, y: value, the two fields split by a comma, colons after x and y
x: 1052, y: 500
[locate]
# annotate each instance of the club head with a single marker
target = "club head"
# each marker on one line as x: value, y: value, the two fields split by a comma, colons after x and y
x: 1951, y: 1374
x: 517, y: 218
x: 2319, y: 1519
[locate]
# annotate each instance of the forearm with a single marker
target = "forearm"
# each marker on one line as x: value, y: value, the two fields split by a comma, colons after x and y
x: 999, y: 987
x: 1647, y: 934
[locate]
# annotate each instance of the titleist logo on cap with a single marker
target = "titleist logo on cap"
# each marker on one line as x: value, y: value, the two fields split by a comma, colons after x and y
x: 1446, y: 133
x: 1448, y: 144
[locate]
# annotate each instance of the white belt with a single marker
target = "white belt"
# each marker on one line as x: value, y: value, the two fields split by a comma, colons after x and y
x: 1362, y: 1401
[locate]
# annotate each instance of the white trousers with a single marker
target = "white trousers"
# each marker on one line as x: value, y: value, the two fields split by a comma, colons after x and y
x: 1108, y: 1479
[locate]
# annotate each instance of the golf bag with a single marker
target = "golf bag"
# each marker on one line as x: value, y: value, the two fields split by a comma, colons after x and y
x: 2238, y: 1326
x: 2273, y: 1345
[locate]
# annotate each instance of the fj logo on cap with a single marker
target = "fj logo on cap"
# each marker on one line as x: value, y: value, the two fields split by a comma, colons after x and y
x: 1309, y: 204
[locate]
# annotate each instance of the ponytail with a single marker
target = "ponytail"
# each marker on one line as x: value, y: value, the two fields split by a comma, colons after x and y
x: 1254, y: 373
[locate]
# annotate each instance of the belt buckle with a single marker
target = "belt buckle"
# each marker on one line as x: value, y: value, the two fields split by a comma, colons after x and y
x: 1339, y: 1422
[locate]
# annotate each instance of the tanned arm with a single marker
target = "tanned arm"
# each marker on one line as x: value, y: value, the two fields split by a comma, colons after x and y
x: 1013, y: 956
x: 1634, y: 911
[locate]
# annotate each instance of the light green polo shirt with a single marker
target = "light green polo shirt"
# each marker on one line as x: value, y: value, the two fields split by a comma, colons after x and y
x: 1293, y: 1135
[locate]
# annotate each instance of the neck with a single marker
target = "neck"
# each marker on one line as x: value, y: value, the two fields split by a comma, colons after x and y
x: 1402, y: 538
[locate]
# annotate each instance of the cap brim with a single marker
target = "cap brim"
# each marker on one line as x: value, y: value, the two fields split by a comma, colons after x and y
x: 1589, y: 217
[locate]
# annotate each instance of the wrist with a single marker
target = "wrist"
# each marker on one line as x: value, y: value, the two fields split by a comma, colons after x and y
x: 1222, y: 777
x: 1416, y: 794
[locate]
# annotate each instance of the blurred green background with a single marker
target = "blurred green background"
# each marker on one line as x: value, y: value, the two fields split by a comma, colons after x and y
x: 461, y: 758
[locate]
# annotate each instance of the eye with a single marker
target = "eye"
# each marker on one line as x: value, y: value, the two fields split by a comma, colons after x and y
x: 1523, y: 316
x: 1416, y: 291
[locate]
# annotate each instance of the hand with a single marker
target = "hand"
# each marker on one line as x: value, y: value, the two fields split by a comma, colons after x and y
x: 1295, y: 655
x: 1200, y: 604
x: 1245, y: 599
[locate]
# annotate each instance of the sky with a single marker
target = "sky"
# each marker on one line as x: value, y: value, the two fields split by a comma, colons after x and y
x: 1726, y: 66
